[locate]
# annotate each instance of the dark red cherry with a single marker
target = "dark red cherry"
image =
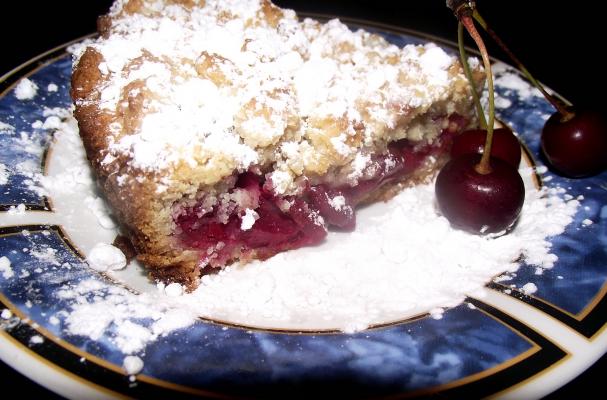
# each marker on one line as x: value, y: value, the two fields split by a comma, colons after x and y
x: 576, y: 147
x: 479, y: 203
x: 505, y: 145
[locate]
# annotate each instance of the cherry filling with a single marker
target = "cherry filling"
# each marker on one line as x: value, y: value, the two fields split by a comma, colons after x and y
x: 289, y: 222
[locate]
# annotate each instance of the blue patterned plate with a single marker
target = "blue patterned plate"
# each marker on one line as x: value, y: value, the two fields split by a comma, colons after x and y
x: 507, y: 343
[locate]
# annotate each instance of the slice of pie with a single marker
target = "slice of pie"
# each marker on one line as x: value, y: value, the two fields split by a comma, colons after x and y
x: 231, y: 130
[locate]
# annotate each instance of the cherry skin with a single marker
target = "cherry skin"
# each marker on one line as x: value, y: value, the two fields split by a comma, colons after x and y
x: 479, y: 203
x: 576, y: 147
x: 505, y: 145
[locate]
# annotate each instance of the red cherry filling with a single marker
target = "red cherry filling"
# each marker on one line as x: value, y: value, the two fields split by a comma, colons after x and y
x: 289, y: 222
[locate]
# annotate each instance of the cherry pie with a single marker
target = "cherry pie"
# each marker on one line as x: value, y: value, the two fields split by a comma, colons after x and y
x: 230, y: 130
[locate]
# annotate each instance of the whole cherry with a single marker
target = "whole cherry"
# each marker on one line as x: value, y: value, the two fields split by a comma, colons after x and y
x: 476, y: 202
x: 574, y: 141
x: 505, y: 145
x: 575, y: 144
x: 476, y: 192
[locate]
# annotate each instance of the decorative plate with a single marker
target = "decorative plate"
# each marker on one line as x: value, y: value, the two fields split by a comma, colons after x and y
x: 507, y: 343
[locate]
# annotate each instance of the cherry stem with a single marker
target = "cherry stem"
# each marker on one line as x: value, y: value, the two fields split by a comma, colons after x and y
x: 483, y: 167
x: 560, y: 107
x: 464, y: 60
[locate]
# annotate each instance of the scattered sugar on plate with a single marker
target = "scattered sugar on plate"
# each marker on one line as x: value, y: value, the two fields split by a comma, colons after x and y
x: 587, y: 222
x: 405, y: 259
x: 5, y: 268
x: 26, y: 89
x: 508, y: 78
x: 101, y: 211
x: 4, y: 174
x: 529, y: 288
x: 6, y: 128
x: 132, y: 365
x: 105, y: 257
x: 173, y: 289
x: 36, y: 339
x: 52, y: 88
x: 19, y: 209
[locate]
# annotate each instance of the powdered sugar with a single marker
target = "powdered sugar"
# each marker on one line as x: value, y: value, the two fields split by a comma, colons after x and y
x: 508, y: 78
x: 26, y: 89
x: 5, y: 128
x: 4, y: 174
x: 529, y: 288
x: 388, y: 269
x: 36, y: 339
x: 213, y: 87
x: 105, y: 257
x: 132, y: 365
x: 5, y: 268
x: 101, y: 211
x: 19, y: 209
x: 338, y: 202
x: 407, y: 275
x: 248, y: 219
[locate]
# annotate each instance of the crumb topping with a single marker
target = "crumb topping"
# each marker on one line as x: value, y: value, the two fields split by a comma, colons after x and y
x: 220, y: 86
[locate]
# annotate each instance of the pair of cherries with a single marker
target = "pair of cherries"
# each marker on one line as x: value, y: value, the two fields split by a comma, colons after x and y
x: 484, y: 195
x: 491, y: 202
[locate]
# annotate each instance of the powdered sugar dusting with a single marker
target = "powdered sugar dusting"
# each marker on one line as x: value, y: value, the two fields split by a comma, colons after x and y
x: 214, y: 86
x: 338, y: 202
x: 132, y: 365
x: 508, y: 78
x: 4, y: 174
x: 105, y: 257
x: 249, y: 219
x: 386, y: 270
x: 5, y: 128
x: 5, y: 268
x: 26, y: 89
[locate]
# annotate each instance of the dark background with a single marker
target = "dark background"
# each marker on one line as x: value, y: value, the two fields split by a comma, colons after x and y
x: 560, y: 44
